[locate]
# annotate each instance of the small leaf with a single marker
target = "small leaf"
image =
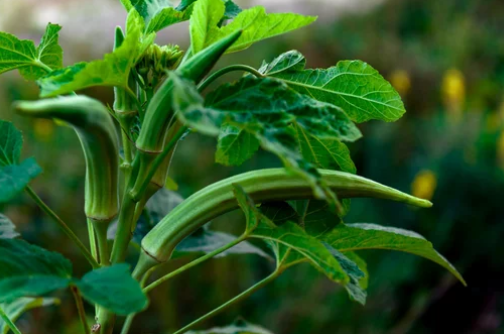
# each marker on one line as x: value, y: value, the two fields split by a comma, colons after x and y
x: 159, y: 14
x: 7, y: 228
x: 206, y: 241
x: 113, y: 70
x: 354, y: 86
x: 352, y: 237
x: 204, y: 20
x: 28, y: 270
x: 14, y: 176
x: 288, y: 237
x: 239, y: 327
x: 113, y: 288
x: 31, y: 62
x: 16, y: 308
x: 235, y: 145
x: 257, y: 26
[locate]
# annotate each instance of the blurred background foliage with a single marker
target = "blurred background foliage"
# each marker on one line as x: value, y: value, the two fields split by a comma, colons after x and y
x: 446, y: 58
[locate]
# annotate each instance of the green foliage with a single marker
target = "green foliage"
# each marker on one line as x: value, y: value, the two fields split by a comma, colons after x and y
x: 14, y: 176
x: 32, y: 62
x: 16, y: 308
x: 113, y: 70
x: 113, y: 288
x: 159, y: 14
x: 354, y: 86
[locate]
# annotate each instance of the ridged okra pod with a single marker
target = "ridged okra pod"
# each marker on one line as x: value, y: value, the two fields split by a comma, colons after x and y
x: 262, y: 185
x: 98, y: 136
x: 160, y: 109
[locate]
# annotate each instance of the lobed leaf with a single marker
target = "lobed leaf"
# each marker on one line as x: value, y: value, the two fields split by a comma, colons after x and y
x: 7, y: 228
x: 113, y: 288
x: 28, y: 270
x: 19, y: 306
x: 14, y: 176
x: 352, y: 237
x: 32, y: 62
x: 354, y: 86
x: 113, y: 70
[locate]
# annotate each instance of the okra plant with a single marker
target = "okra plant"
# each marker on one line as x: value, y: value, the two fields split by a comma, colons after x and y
x: 162, y: 94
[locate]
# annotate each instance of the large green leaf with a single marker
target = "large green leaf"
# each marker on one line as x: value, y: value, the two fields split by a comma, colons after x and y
x: 204, y: 21
x: 230, y: 12
x: 28, y: 270
x: 14, y: 176
x: 239, y: 327
x: 266, y: 109
x: 354, y: 86
x: 235, y: 145
x: 159, y: 14
x: 113, y: 70
x: 16, y: 308
x: 113, y: 288
x: 353, y: 237
x: 7, y: 228
x: 289, y: 237
x: 31, y: 62
x: 257, y: 25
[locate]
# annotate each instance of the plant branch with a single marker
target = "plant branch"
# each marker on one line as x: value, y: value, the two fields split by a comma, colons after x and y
x: 80, y: 308
x: 225, y: 70
x: 242, y: 296
x: 129, y: 319
x: 9, y: 323
x: 63, y: 226
x: 193, y: 264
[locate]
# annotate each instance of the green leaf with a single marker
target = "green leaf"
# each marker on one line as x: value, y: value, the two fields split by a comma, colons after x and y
x: 28, y: 270
x: 31, y: 62
x: 159, y: 14
x: 329, y: 153
x: 7, y: 228
x: 353, y: 237
x: 239, y: 327
x: 113, y: 70
x: 354, y: 86
x: 14, y: 176
x: 231, y: 10
x: 256, y: 26
x: 206, y: 241
x: 235, y: 145
x: 288, y: 237
x: 204, y: 20
x: 16, y: 308
x: 266, y: 109
x: 113, y: 288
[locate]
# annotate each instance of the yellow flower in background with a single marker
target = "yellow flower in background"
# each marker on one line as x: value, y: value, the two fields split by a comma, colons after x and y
x: 424, y: 185
x: 401, y: 81
x: 453, y: 92
x: 44, y: 129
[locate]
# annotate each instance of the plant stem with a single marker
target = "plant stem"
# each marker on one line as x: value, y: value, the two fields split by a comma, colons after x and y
x: 226, y: 70
x: 92, y: 240
x: 127, y: 154
x: 9, y: 323
x: 101, y: 237
x: 129, y: 319
x: 80, y: 308
x: 63, y: 226
x: 242, y: 296
x: 192, y: 264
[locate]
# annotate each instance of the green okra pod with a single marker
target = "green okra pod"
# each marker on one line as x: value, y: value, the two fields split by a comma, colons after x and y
x: 160, y: 109
x: 98, y: 136
x: 263, y: 185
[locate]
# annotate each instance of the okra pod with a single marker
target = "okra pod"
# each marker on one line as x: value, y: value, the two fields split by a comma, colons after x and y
x: 263, y: 185
x: 98, y: 136
x: 160, y: 108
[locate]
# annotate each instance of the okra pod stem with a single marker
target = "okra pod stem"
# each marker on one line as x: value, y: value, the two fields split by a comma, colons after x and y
x: 263, y: 185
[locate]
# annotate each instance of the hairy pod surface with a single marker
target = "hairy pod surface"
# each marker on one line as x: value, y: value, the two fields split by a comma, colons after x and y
x: 262, y: 185
x: 98, y: 136
x: 160, y: 109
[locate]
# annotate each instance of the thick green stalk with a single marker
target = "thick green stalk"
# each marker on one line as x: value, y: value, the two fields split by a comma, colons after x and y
x: 64, y: 227
x: 262, y: 185
x: 101, y: 238
x: 242, y: 296
x: 9, y: 323
x: 80, y: 308
x: 228, y: 69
